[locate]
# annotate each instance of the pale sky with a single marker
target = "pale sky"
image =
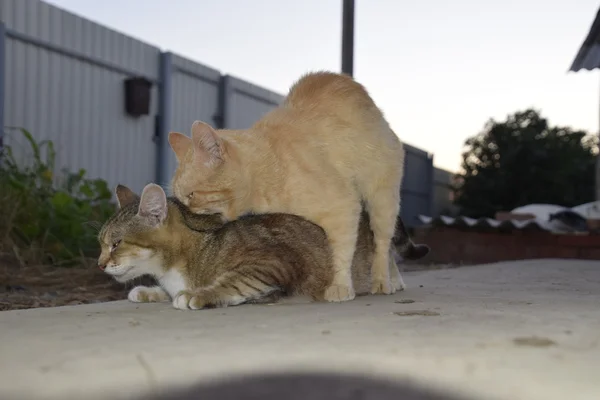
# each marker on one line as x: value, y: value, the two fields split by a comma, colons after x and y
x: 439, y: 69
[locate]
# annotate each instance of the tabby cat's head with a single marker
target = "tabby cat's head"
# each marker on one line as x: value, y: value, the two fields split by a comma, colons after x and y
x: 129, y: 239
x: 206, y: 176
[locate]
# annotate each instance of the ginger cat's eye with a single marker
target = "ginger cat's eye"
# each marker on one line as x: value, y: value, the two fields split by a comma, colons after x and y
x: 189, y: 196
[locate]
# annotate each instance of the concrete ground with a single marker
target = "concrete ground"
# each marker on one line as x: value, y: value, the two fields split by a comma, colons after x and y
x: 515, y: 330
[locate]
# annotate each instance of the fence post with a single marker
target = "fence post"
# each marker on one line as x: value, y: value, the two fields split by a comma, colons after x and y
x: 225, y: 94
x: 348, y: 37
x: 431, y: 186
x: 164, y: 119
x: 2, y: 72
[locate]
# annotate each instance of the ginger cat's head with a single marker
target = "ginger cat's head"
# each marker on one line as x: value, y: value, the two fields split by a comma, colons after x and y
x: 130, y: 239
x: 207, y: 178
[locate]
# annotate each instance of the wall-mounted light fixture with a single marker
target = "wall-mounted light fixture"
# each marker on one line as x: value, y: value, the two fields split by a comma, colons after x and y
x: 137, y: 96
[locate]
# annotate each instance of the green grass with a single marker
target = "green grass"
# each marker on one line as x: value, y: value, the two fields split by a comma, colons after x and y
x: 48, y: 217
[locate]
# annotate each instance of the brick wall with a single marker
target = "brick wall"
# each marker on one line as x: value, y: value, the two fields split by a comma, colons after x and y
x: 452, y: 245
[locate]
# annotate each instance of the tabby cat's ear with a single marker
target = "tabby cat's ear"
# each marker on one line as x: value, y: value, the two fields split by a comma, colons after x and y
x: 180, y: 144
x: 125, y: 196
x: 153, y: 204
x: 208, y: 146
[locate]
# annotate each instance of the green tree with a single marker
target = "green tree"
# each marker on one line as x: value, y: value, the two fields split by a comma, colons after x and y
x: 524, y: 160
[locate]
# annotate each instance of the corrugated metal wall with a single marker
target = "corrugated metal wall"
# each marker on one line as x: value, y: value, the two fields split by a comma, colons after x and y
x: 443, y: 193
x: 64, y: 81
x: 245, y: 103
x: 77, y: 104
x: 194, y: 96
x: 417, y: 185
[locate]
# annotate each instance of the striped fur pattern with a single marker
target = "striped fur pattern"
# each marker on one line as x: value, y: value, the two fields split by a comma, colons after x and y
x: 202, y: 262
x: 326, y: 152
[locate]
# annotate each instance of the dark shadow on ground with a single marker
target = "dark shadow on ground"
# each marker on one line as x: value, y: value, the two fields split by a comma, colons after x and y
x: 304, y: 386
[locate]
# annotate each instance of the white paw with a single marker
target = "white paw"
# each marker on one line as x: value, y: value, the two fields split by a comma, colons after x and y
x: 143, y: 294
x: 138, y: 294
x: 181, y: 301
x: 185, y: 300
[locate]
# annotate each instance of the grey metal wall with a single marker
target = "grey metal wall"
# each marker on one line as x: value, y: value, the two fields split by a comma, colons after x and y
x: 194, y: 95
x: 443, y: 194
x: 245, y: 103
x: 197, y: 92
x: 64, y: 82
x: 417, y: 185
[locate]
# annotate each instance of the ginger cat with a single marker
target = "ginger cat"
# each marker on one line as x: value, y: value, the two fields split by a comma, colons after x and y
x: 201, y: 262
x: 322, y: 154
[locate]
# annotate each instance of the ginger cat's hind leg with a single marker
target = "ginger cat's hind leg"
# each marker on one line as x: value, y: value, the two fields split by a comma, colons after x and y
x: 341, y: 226
x: 383, y: 206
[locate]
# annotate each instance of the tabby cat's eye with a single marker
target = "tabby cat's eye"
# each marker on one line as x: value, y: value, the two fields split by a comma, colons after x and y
x: 189, y: 196
x: 115, y: 244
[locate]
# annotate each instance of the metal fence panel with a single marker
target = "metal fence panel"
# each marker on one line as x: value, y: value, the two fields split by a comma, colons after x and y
x: 64, y: 82
x: 194, y: 96
x: 443, y: 193
x: 244, y: 103
x: 417, y: 185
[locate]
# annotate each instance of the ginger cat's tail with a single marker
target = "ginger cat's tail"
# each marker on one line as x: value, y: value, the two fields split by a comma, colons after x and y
x: 404, y: 244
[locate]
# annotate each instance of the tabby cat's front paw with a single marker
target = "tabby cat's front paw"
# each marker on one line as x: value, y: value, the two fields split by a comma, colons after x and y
x: 143, y: 294
x: 186, y: 300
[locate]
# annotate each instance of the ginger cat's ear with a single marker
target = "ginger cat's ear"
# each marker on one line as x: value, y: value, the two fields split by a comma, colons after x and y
x: 208, y: 146
x: 125, y: 195
x: 180, y: 144
x: 153, y: 204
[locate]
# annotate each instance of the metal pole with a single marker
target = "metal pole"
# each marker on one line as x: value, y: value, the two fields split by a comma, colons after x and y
x: 598, y: 173
x: 164, y: 124
x: 2, y: 72
x: 348, y: 37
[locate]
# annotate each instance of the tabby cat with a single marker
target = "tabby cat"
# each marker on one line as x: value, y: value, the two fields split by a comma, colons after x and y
x: 320, y: 155
x: 201, y: 262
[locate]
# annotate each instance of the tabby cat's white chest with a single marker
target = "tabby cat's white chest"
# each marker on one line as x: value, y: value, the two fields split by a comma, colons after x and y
x: 172, y: 282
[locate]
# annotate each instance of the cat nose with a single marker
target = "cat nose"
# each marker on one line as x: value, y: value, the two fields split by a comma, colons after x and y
x: 102, y: 266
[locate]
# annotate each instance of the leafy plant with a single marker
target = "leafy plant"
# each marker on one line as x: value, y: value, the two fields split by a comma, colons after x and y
x: 47, y: 217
